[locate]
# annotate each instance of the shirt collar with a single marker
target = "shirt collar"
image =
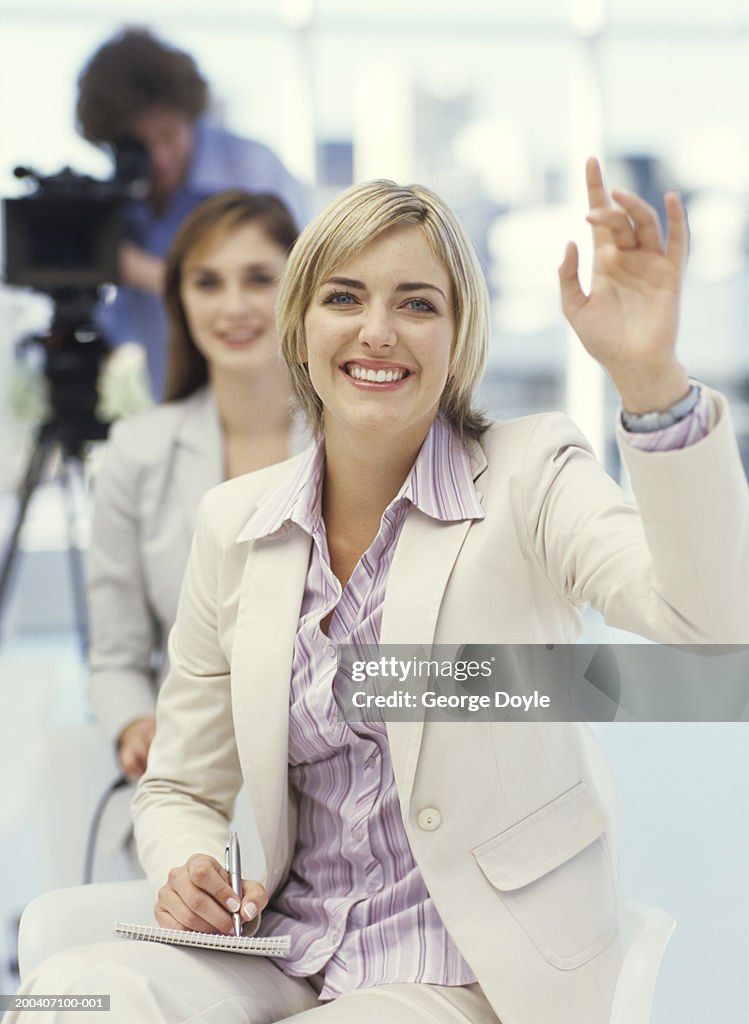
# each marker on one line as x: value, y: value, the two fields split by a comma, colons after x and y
x: 297, y: 498
x: 440, y: 484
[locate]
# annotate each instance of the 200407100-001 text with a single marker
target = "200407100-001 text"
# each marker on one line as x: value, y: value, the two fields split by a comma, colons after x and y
x: 53, y: 1002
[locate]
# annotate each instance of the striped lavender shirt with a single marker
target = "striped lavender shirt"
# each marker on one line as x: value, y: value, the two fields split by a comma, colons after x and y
x: 355, y: 903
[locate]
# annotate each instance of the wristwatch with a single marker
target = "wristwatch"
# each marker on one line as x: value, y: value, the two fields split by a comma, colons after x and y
x: 647, y: 422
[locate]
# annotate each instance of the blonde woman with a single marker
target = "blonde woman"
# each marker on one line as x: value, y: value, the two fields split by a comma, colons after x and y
x: 424, y: 871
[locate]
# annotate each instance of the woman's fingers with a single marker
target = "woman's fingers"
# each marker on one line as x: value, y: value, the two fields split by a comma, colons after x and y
x: 598, y: 199
x: 133, y: 761
x: 573, y: 297
x: 207, y: 875
x: 193, y: 910
x: 645, y: 220
x: 597, y: 195
x: 678, y: 231
x: 254, y: 899
x: 621, y: 229
x: 634, y: 223
x: 637, y: 226
x: 164, y: 918
x: 134, y: 745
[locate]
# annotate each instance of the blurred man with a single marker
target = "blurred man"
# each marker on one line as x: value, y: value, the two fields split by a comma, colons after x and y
x: 136, y: 86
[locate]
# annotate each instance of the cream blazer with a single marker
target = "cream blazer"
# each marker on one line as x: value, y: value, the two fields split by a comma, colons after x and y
x: 157, y: 466
x: 501, y: 817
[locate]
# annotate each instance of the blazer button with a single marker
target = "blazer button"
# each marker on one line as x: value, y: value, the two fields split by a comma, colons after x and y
x: 429, y: 819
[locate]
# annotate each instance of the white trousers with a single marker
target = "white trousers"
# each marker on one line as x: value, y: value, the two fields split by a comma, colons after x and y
x: 157, y: 984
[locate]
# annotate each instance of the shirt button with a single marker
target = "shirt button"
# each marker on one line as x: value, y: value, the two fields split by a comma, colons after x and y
x: 331, y: 650
x: 429, y: 819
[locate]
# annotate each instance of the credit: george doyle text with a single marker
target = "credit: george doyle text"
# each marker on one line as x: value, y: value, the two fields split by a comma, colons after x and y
x: 464, y: 701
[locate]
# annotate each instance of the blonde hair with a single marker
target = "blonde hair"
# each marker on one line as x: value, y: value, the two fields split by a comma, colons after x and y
x: 339, y: 233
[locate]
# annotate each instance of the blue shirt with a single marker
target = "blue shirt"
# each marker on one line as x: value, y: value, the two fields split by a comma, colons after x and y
x: 220, y: 160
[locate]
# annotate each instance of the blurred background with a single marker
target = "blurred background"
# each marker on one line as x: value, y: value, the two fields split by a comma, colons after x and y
x: 496, y: 107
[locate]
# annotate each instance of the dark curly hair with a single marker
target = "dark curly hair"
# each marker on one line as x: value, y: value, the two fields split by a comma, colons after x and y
x: 130, y: 74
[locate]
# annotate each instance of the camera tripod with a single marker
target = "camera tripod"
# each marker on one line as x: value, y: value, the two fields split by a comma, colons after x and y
x: 55, y: 438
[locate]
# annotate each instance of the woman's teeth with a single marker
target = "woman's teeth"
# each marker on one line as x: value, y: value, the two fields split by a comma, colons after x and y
x: 376, y: 376
x: 240, y: 336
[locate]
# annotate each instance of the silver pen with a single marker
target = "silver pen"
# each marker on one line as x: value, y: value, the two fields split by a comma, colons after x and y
x: 233, y: 864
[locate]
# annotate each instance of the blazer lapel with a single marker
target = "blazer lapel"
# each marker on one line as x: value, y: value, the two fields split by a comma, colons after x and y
x: 262, y: 655
x: 200, y: 450
x: 424, y: 558
x: 199, y: 453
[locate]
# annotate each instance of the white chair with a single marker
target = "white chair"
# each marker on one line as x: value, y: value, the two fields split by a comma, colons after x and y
x: 645, y: 930
x: 27, y: 693
x: 84, y: 914
x: 645, y: 935
x: 72, y: 767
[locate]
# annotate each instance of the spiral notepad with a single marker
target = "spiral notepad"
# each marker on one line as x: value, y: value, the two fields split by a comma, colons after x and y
x: 275, y: 945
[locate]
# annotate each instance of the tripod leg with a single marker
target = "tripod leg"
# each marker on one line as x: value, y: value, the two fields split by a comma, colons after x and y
x: 34, y: 471
x: 75, y: 555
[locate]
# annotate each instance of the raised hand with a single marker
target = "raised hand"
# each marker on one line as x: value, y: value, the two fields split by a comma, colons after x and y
x: 629, y: 321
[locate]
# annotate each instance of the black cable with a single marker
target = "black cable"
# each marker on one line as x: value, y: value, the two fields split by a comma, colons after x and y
x: 93, y: 832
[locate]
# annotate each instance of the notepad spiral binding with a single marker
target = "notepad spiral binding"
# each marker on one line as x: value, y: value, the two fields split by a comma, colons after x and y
x: 275, y: 945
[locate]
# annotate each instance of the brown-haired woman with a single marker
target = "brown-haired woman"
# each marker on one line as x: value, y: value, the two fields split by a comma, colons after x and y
x: 227, y: 412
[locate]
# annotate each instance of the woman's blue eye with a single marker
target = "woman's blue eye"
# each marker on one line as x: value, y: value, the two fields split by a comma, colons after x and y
x: 340, y: 299
x: 423, y: 305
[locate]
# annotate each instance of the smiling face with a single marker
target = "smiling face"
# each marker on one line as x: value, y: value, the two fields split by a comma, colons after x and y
x: 228, y: 291
x: 379, y: 336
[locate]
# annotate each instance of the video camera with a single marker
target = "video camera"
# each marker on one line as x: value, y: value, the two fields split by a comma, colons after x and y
x: 63, y: 240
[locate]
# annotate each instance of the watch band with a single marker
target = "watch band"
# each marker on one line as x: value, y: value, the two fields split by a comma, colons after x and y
x: 647, y: 422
